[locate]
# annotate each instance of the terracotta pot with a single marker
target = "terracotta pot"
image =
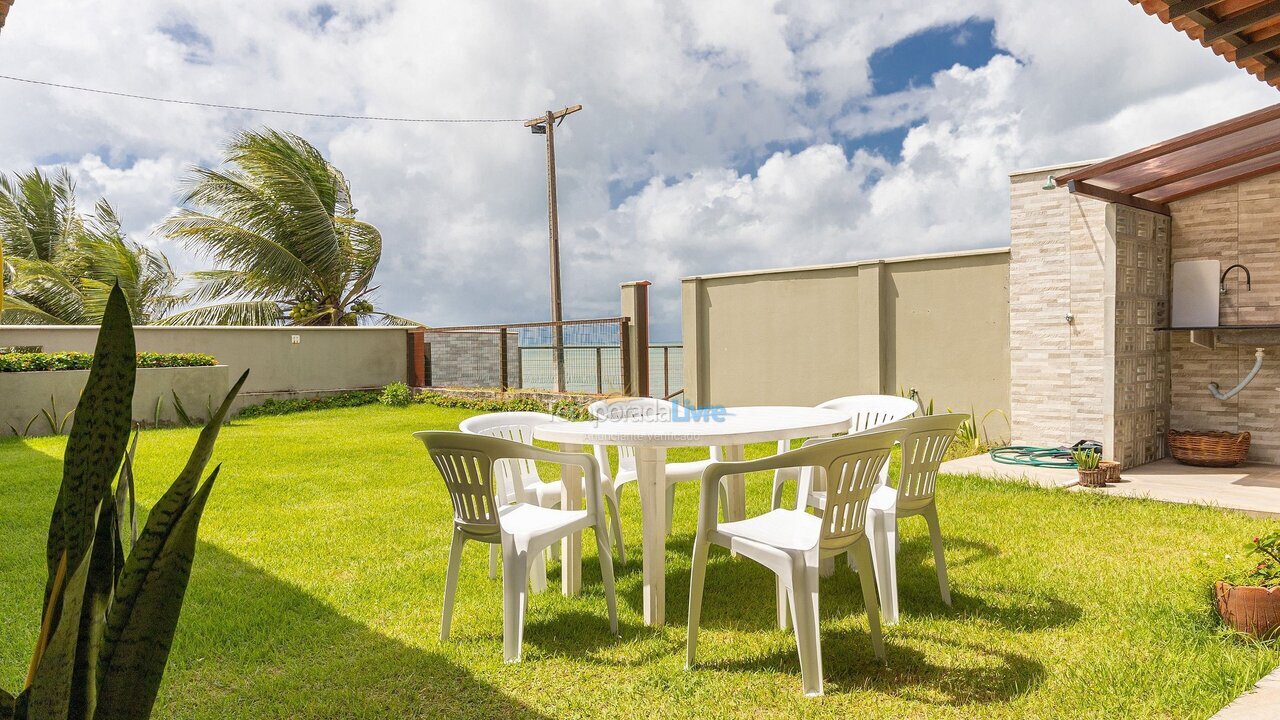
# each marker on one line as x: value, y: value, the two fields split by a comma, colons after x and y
x: 1249, y: 609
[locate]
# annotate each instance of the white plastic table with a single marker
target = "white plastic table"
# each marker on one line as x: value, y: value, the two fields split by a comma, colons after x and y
x: 731, y: 429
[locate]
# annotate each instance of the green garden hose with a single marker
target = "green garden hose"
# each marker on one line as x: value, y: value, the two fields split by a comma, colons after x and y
x: 1034, y: 456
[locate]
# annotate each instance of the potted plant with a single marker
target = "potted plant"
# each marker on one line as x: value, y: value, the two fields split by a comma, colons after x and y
x: 1252, y: 605
x: 1087, y: 467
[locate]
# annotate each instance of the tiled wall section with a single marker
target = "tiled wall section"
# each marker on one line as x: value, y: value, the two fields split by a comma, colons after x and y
x: 1058, y: 264
x: 1235, y: 224
x: 1139, y: 356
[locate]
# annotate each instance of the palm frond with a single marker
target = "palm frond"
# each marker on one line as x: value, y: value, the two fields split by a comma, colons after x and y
x: 249, y: 312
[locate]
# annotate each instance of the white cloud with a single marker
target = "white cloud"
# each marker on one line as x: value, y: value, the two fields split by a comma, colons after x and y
x: 686, y: 107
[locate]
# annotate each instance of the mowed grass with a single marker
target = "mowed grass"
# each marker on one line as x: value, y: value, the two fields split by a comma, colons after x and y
x: 317, y: 587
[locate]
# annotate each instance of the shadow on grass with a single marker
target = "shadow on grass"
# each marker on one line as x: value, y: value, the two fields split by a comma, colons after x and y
x: 252, y: 646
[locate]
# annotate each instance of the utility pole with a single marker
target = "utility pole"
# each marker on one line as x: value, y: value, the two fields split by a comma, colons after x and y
x: 545, y: 125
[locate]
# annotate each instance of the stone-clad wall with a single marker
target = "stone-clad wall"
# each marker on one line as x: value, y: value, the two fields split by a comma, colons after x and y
x: 1060, y: 262
x: 1139, y: 355
x: 1236, y: 224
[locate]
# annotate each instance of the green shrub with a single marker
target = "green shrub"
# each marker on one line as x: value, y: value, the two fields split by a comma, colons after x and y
x: 567, y: 408
x: 33, y: 362
x: 351, y: 398
x: 397, y: 394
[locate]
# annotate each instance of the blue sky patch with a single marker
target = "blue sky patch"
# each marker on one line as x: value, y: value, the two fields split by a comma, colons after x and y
x: 912, y: 61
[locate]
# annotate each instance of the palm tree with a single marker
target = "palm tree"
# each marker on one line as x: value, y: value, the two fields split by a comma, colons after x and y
x: 279, y: 224
x: 60, y: 266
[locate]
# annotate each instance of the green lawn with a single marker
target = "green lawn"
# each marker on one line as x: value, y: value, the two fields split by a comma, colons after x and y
x: 316, y: 594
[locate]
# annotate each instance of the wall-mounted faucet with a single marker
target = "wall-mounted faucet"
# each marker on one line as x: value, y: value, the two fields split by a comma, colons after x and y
x: 1248, y: 278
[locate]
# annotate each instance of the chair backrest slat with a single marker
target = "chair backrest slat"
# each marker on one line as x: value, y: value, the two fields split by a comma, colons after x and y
x: 925, y: 441
x: 631, y: 410
x: 850, y: 479
x: 871, y: 411
x: 515, y: 477
x: 468, y: 476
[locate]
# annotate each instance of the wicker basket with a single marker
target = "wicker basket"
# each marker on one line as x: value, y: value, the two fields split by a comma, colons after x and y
x: 1112, y: 470
x: 1208, y: 449
x: 1093, y: 478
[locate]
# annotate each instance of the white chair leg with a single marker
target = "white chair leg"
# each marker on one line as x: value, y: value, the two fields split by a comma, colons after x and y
x: 697, y: 576
x: 888, y: 550
x: 784, y: 611
x: 671, y: 506
x: 863, y: 551
x: 615, y: 525
x: 606, y: 573
x: 515, y: 598
x: 538, y: 572
x: 935, y: 534
x: 778, y: 481
x: 804, y: 616
x: 493, y: 562
x: 451, y: 583
x: 881, y: 561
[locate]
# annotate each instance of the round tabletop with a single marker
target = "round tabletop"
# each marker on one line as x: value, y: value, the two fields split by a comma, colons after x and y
x: 702, y: 427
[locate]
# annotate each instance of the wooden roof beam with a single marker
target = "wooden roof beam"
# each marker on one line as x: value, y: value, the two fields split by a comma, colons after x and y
x: 1079, y: 187
x: 1255, y: 49
x: 1218, y: 164
x: 1178, y: 9
x: 1223, y: 182
x: 1248, y: 120
x: 1243, y: 21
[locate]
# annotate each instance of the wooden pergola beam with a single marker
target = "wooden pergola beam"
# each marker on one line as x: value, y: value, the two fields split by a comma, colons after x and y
x: 1243, y: 21
x: 1177, y: 10
x: 1196, y: 137
x: 1218, y: 164
x: 1079, y: 187
x: 1255, y: 49
x: 1223, y: 182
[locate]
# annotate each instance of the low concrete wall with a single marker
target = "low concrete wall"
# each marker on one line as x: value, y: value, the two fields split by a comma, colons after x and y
x: 322, y: 360
x: 798, y: 336
x: 26, y: 394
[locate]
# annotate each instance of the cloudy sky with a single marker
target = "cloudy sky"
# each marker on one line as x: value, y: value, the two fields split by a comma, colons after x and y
x: 716, y: 135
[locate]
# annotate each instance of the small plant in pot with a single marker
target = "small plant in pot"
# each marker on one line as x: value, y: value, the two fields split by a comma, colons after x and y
x: 1250, y: 603
x: 1087, y: 461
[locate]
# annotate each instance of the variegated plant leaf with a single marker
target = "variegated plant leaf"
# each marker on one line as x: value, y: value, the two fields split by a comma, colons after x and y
x: 130, y: 677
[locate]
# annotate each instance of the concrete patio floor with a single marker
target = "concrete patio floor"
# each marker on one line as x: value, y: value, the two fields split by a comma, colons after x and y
x: 1253, y: 488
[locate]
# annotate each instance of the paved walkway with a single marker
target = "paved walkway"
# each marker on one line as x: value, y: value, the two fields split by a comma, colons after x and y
x: 1253, y: 488
x: 1262, y: 703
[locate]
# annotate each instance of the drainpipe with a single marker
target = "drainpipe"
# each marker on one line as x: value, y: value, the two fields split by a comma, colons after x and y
x: 1257, y: 365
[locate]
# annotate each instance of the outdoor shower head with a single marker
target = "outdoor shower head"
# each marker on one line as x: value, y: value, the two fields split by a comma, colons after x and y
x: 1049, y: 184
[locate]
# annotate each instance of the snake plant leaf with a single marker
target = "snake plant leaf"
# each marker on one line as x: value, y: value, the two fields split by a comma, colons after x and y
x: 126, y: 499
x: 98, y: 438
x: 168, y: 510
x: 51, y: 686
x: 104, y: 560
x: 8, y: 705
x: 131, y: 676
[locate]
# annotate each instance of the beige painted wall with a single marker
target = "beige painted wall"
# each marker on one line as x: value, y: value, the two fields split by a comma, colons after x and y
x: 325, y: 359
x: 798, y: 336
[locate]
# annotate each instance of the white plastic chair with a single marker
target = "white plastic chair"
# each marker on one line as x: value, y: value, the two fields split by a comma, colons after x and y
x: 924, y: 443
x: 466, y: 461
x: 792, y: 543
x: 866, y: 412
x: 639, y: 410
x: 518, y: 480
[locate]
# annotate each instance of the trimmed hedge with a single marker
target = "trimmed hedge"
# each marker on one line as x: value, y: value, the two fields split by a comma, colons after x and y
x: 34, y: 362
x: 567, y: 409
x: 351, y: 398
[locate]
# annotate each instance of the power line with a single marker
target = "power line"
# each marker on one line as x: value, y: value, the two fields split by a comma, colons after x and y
x: 247, y: 108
